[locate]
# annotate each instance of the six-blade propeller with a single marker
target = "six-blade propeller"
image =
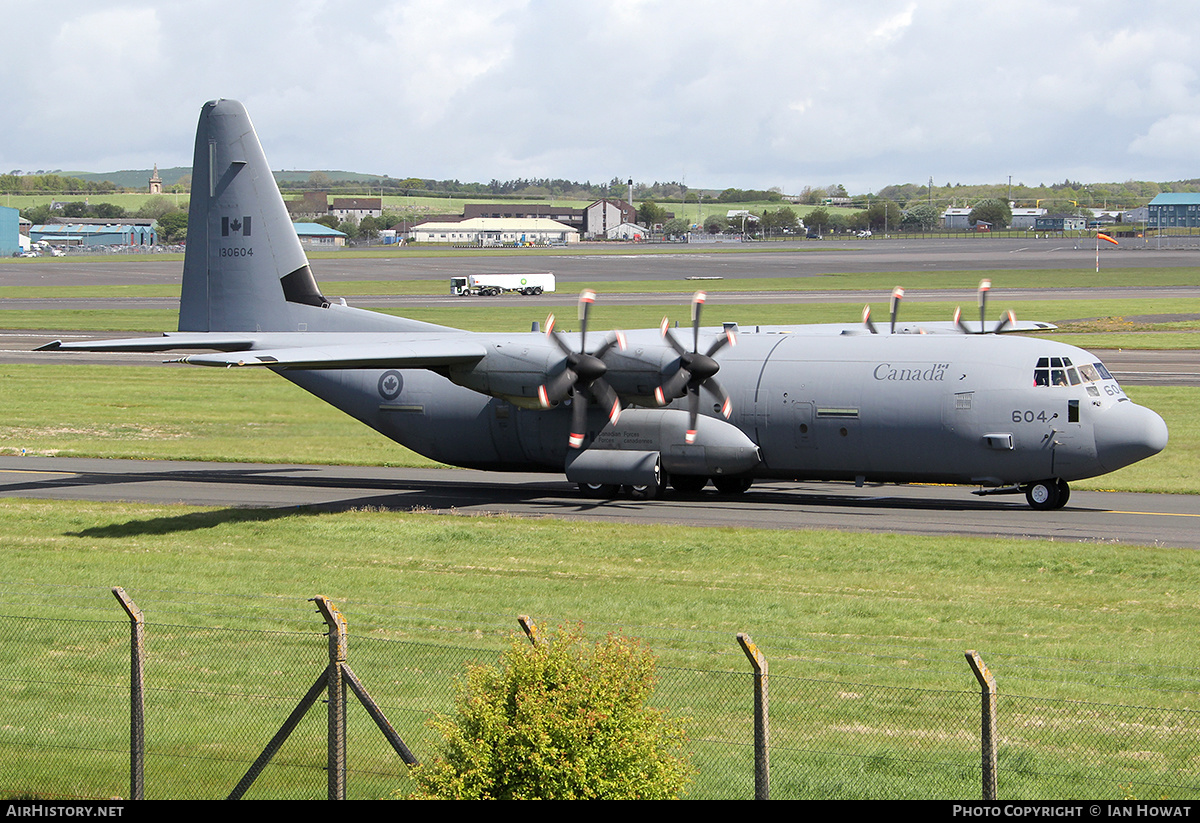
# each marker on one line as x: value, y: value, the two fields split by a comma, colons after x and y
x: 582, y: 374
x: 695, y: 370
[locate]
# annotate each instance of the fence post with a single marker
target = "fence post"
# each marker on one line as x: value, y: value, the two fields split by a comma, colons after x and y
x: 137, y: 708
x: 762, y: 726
x: 987, y: 685
x: 530, y: 628
x: 336, y: 764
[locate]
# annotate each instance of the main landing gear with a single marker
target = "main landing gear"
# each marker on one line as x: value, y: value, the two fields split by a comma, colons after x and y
x: 1046, y: 495
x: 686, y: 484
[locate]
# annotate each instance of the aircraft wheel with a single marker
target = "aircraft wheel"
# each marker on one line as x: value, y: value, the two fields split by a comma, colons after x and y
x: 1064, y: 492
x: 688, y: 483
x: 732, y: 485
x: 604, y: 491
x: 649, y: 492
x: 1047, y: 495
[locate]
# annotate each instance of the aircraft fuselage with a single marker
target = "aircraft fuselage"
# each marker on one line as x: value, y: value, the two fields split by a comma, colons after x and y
x: 915, y: 408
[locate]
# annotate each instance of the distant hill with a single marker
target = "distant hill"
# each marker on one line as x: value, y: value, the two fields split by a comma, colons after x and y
x: 132, y: 178
x: 138, y: 178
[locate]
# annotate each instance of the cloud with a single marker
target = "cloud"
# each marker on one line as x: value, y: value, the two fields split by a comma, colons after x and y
x: 752, y: 95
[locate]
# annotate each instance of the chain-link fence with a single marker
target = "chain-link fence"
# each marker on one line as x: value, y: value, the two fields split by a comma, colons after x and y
x: 216, y: 695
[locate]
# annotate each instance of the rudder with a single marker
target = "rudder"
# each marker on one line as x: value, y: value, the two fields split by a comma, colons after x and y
x: 244, y: 268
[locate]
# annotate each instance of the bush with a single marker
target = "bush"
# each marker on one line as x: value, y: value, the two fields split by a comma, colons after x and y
x: 562, y: 719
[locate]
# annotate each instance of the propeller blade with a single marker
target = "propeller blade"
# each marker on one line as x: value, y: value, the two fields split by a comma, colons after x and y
x: 697, y: 303
x: 578, y: 421
x: 608, y: 400
x: 984, y: 287
x: 665, y: 328
x: 867, y: 320
x: 675, y: 386
x: 586, y: 298
x: 713, y: 387
x: 958, y: 321
x: 615, y: 339
x: 693, y: 415
x: 730, y: 339
x: 555, y: 390
x: 1005, y: 321
x: 897, y: 296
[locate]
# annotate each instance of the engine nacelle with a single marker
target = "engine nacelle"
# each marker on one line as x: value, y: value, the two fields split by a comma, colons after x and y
x: 609, y: 467
x: 720, y: 448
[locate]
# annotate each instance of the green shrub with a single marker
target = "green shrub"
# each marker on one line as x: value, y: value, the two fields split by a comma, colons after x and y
x: 562, y: 719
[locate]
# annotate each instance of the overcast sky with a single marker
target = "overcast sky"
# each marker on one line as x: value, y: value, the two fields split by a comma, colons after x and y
x: 735, y: 93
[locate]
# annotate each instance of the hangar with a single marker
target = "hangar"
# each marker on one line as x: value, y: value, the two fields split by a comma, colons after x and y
x: 495, y: 231
x: 94, y: 234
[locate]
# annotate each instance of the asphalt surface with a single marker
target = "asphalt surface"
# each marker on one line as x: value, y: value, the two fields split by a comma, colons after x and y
x: 810, y: 258
x: 1101, y: 517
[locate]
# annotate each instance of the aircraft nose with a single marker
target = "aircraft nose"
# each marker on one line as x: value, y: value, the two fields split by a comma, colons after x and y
x: 1127, y: 433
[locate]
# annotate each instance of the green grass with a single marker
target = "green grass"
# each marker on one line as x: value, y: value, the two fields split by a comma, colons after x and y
x: 181, y: 413
x: 865, y: 634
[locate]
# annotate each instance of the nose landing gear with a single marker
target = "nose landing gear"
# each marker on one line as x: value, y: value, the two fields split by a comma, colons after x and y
x: 1047, y: 495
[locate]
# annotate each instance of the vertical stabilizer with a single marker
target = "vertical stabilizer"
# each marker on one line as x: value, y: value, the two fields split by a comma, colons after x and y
x: 244, y: 269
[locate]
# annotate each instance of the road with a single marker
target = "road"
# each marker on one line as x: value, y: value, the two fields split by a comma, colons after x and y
x: 1107, y: 517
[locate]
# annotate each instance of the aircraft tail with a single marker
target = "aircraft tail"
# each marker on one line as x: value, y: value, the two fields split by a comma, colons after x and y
x: 244, y: 269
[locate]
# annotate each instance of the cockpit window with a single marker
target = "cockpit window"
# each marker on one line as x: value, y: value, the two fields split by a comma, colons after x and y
x: 1059, y: 371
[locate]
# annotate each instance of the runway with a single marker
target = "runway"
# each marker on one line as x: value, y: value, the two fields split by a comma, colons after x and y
x: 1101, y: 517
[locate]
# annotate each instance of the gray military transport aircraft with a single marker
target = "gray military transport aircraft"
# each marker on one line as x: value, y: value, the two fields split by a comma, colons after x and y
x: 631, y: 414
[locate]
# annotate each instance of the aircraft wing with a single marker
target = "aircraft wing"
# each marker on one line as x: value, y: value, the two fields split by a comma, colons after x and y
x: 164, y: 342
x: 906, y: 327
x: 381, y: 355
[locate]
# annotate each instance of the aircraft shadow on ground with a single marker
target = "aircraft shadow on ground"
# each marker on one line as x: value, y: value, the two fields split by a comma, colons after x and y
x: 549, y: 497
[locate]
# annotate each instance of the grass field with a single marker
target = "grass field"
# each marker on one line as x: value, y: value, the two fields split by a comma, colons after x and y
x: 840, y: 616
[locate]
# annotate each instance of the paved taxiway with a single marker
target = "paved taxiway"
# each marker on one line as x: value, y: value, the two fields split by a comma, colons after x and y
x: 1106, y: 517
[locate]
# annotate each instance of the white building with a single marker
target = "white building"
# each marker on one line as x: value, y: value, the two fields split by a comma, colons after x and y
x: 495, y: 231
x: 604, y: 215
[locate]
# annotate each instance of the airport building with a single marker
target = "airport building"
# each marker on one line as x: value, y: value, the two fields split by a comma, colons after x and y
x: 356, y: 208
x: 494, y: 231
x: 1060, y: 222
x: 607, y: 214
x: 97, y: 233
x: 319, y: 236
x: 1026, y: 218
x: 1174, y: 210
x: 10, y: 231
